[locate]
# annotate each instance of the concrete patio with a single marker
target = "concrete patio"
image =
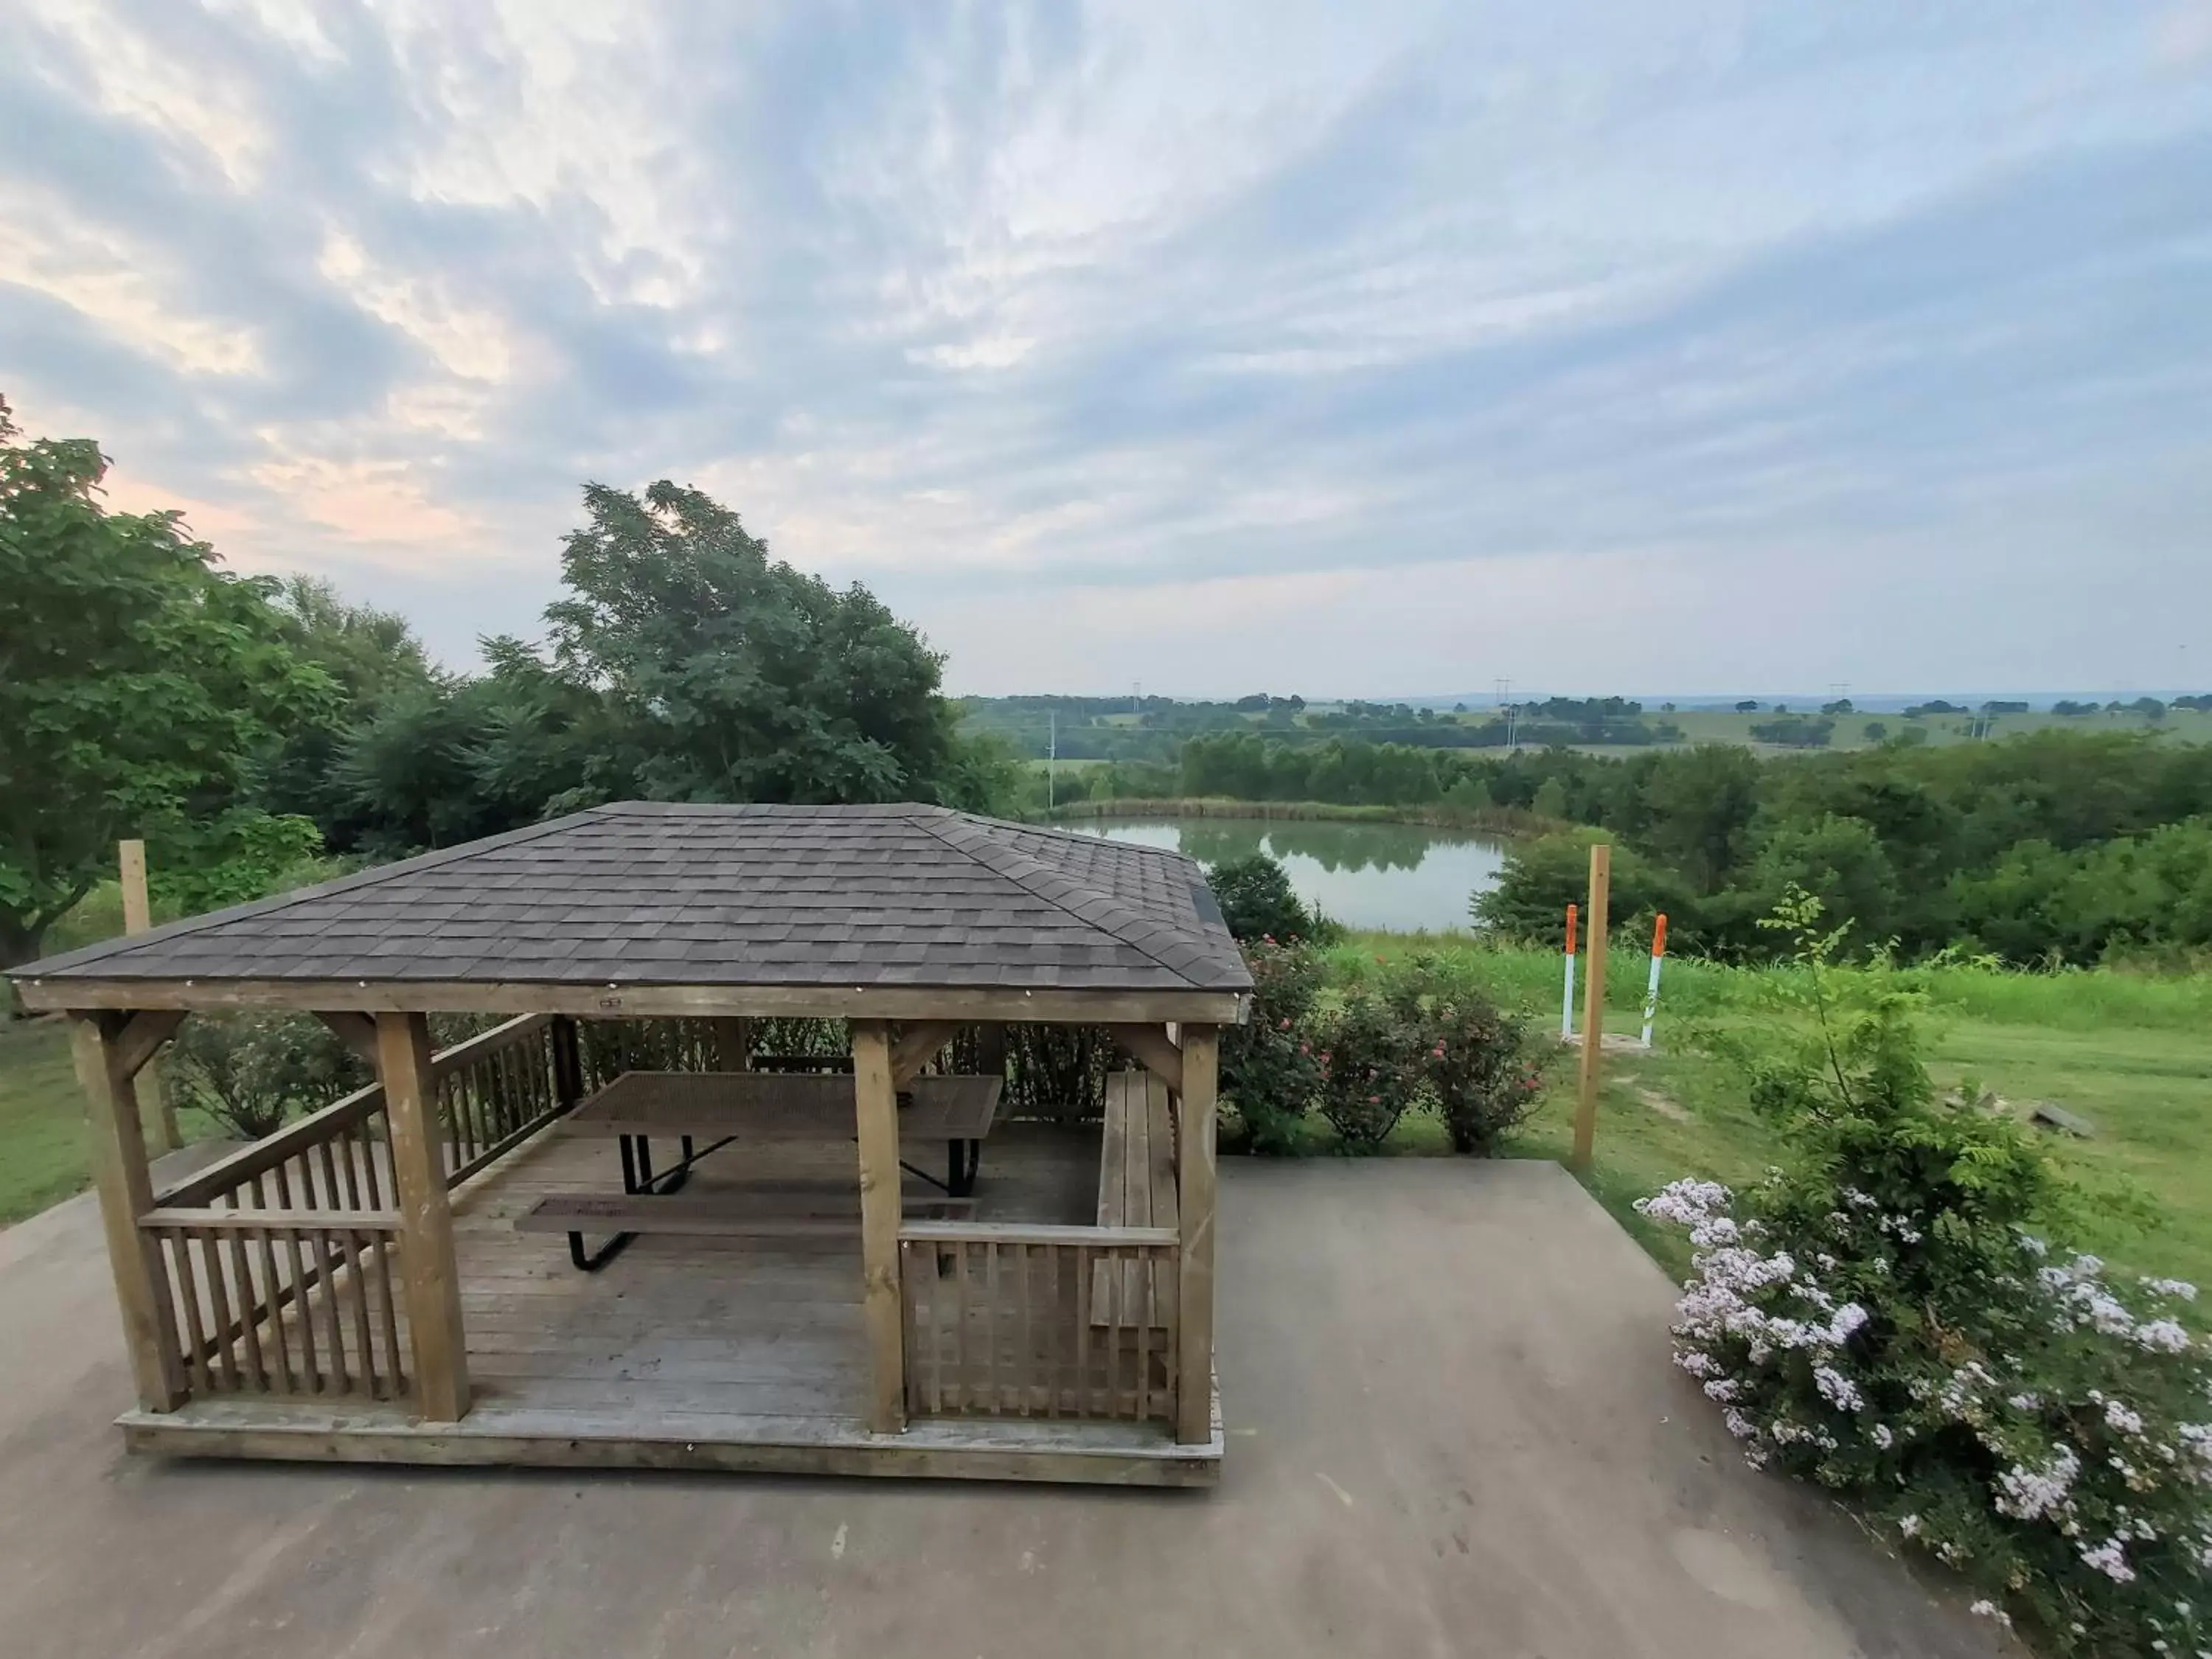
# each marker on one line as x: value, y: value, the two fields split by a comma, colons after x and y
x: 1452, y: 1430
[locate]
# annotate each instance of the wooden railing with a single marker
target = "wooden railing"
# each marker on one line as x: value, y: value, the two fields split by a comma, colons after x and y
x: 278, y: 1261
x: 1006, y: 1321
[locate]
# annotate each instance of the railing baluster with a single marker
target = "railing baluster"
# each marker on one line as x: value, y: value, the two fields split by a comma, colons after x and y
x: 226, y: 1360
x: 393, y: 1369
x: 249, y: 1316
x: 188, y: 1294
x: 1084, y: 1264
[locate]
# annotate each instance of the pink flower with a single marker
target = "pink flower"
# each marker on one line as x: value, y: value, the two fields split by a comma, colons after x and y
x: 1374, y: 1100
x: 1438, y: 1051
x: 1286, y: 1023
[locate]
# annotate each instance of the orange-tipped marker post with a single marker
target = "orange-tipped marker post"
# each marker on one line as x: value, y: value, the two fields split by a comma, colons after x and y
x: 1567, y: 1000
x: 1651, y: 986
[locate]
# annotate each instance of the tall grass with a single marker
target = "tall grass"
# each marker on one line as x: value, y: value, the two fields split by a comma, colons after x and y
x: 2071, y: 1000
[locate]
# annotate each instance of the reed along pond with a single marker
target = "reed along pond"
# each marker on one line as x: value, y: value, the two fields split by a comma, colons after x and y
x: 1402, y: 877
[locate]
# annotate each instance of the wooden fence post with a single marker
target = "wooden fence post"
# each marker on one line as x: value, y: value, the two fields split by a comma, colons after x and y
x: 1600, y: 887
x: 875, y: 1102
x: 137, y: 917
x: 431, y: 1277
x: 1194, y: 1182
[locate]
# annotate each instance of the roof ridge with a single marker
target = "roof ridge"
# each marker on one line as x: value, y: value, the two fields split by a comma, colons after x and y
x: 972, y: 834
x: 261, y: 907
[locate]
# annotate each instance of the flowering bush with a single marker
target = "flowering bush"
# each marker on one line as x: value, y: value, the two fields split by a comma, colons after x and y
x: 1371, y: 1068
x: 1398, y: 1038
x: 1270, y: 1066
x: 1882, y: 1317
x: 1409, y: 1038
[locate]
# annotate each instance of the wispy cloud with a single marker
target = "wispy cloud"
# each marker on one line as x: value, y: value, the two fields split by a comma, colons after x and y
x: 1366, y: 349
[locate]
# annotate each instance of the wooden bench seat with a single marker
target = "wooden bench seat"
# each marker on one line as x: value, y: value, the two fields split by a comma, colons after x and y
x: 1136, y: 1188
x: 795, y: 1211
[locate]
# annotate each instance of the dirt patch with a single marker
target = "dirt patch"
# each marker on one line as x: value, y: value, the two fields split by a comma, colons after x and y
x: 1663, y: 1103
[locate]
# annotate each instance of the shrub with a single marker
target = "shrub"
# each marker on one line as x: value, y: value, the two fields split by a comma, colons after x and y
x: 1483, y: 1069
x: 250, y: 1071
x: 1880, y: 1317
x: 1257, y: 901
x: 1269, y: 1065
x: 1409, y: 1038
x: 1371, y: 1068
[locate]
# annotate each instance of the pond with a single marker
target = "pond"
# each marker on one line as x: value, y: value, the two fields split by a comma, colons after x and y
x: 1399, y: 877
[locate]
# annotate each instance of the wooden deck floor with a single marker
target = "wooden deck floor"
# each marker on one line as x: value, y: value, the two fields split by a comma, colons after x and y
x: 691, y: 1351
x: 680, y: 1326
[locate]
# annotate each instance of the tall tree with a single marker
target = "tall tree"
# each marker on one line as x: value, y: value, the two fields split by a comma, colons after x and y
x: 376, y: 663
x: 136, y: 681
x: 737, y: 677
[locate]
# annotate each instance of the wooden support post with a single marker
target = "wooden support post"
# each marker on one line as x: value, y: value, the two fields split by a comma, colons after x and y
x: 119, y: 1170
x: 1195, y: 1133
x: 991, y: 1049
x: 137, y: 917
x: 733, y: 1044
x: 567, y: 1061
x: 432, y: 1281
x: 1600, y: 887
x: 875, y: 1103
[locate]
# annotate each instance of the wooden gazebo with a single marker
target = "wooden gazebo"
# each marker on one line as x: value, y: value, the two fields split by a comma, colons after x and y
x: 846, y: 1261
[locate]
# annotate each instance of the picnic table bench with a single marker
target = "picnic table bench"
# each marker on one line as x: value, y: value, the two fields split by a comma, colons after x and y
x: 740, y: 1109
x: 1136, y: 1188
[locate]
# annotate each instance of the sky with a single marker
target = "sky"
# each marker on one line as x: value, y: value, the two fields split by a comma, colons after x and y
x: 1375, y: 349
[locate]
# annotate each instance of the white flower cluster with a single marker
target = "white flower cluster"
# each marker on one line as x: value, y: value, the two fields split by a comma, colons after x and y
x: 2111, y: 1558
x: 2097, y: 1469
x: 2031, y: 1494
x: 2081, y: 1299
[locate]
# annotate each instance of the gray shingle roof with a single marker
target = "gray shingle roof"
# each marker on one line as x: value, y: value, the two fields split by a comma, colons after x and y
x: 643, y: 893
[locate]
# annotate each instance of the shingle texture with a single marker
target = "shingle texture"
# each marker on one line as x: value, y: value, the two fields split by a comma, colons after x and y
x: 649, y: 893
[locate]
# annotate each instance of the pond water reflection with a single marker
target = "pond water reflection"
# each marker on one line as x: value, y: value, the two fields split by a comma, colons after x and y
x: 1401, y: 877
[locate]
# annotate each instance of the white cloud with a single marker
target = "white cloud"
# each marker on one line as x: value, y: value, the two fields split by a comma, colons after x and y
x: 115, y: 281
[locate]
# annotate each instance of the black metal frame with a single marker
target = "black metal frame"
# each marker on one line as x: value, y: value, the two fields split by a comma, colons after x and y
x: 639, y: 1181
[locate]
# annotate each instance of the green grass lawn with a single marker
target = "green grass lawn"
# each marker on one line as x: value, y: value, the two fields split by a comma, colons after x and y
x: 41, y: 1119
x: 2131, y: 1053
x: 42, y: 1148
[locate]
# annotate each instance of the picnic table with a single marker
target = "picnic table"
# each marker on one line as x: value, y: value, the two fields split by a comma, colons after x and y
x: 950, y: 1117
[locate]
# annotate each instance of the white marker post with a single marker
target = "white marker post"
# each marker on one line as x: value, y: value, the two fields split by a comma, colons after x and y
x: 1651, y: 987
x: 1567, y: 1000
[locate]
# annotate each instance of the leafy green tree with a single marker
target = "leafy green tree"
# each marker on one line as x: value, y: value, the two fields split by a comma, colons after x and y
x: 137, y: 682
x: 1257, y: 901
x: 1701, y: 803
x: 1546, y: 875
x: 376, y: 662
x: 1839, y: 861
x: 737, y: 677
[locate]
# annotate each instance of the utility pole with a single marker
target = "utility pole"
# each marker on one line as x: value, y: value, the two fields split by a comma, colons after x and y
x: 1051, y: 759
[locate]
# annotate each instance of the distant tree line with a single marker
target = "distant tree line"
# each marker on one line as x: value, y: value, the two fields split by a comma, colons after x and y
x: 2048, y: 845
